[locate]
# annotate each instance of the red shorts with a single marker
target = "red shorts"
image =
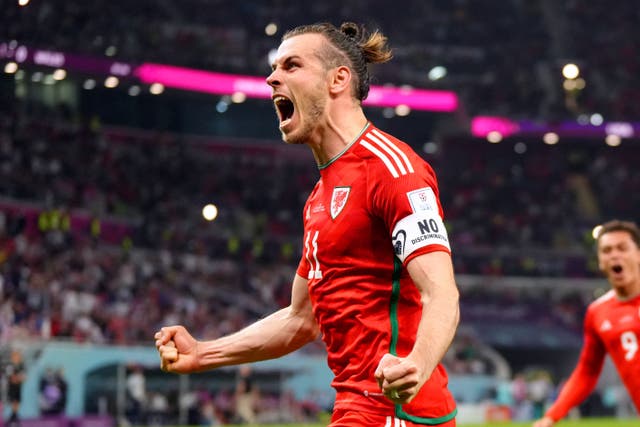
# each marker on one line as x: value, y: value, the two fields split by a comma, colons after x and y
x: 342, y: 418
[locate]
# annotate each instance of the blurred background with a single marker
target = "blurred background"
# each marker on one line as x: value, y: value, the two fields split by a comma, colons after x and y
x: 143, y: 183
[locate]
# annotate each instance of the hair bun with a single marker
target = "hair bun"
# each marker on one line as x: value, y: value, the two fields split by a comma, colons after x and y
x: 350, y: 30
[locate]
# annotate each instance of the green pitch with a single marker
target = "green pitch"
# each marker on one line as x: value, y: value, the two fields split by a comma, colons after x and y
x: 587, y: 422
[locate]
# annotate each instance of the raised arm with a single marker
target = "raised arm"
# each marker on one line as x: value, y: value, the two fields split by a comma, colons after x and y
x: 402, y: 378
x: 580, y: 384
x: 278, y: 334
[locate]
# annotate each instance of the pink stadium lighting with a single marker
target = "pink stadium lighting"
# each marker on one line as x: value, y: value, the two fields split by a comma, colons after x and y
x: 482, y: 125
x: 256, y: 87
x: 203, y: 81
x: 416, y: 99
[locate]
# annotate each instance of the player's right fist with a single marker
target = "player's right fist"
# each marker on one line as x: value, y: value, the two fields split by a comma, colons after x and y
x: 177, y: 350
x: 168, y: 354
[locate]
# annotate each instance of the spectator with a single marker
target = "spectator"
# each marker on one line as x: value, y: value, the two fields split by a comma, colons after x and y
x: 158, y: 409
x: 246, y: 396
x: 16, y: 374
x: 53, y: 393
x: 136, y: 395
x: 540, y: 389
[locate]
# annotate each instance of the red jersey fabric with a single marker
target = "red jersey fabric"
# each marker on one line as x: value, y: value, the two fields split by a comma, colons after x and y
x: 343, y: 418
x: 374, y: 208
x: 611, y: 326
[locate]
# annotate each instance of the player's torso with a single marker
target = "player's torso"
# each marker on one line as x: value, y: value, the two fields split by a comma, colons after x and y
x: 353, y: 272
x: 618, y: 326
x: 374, y: 205
x: 349, y: 252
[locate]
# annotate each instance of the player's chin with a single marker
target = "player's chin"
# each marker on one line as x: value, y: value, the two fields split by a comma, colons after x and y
x: 292, y: 138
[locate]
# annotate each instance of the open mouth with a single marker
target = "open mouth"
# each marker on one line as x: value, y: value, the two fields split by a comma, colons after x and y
x: 284, y: 109
x: 616, y: 269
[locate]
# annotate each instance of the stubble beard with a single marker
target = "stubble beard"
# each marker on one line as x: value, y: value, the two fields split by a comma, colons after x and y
x: 303, y: 135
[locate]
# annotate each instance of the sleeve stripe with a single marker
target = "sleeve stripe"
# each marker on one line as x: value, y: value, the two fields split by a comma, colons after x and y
x: 393, y: 155
x: 381, y: 156
x: 394, y: 148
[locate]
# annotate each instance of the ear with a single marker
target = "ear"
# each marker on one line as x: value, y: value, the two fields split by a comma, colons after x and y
x: 599, y: 258
x: 340, y: 80
x: 601, y: 266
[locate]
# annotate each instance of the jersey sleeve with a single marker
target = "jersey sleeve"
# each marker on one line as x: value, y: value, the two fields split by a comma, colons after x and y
x: 584, y: 377
x: 410, y: 208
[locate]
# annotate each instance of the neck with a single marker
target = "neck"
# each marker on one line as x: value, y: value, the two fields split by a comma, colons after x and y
x: 627, y: 292
x: 338, y: 131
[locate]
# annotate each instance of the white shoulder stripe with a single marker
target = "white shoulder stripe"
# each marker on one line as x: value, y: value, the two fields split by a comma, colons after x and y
x: 605, y: 297
x: 395, y: 148
x: 386, y: 148
x: 381, y: 156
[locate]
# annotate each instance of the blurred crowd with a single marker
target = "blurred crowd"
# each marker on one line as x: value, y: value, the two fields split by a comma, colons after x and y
x: 502, y: 58
x: 150, y: 187
x: 526, y: 208
x: 102, y: 239
x: 102, y: 236
x: 528, y: 394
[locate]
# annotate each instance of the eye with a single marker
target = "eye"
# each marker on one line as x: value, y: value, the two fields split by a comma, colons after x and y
x: 291, y: 64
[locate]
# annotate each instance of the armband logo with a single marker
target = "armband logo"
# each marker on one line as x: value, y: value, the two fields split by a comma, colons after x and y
x: 399, y: 240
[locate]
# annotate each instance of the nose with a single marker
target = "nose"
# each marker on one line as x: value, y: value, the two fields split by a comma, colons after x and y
x: 272, y: 79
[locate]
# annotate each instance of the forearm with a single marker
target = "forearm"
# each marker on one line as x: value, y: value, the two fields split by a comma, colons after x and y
x: 584, y: 377
x: 280, y: 333
x: 276, y: 335
x: 438, y: 324
x: 577, y: 388
x: 433, y: 275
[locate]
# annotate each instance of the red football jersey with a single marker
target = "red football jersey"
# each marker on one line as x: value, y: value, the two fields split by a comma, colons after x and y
x: 611, y: 326
x: 374, y: 208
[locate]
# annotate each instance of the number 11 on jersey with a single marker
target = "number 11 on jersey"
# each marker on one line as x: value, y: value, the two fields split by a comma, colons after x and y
x: 312, y: 252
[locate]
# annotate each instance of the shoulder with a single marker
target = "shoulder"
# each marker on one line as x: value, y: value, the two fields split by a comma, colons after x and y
x: 387, y: 155
x: 602, y: 302
x: 606, y: 297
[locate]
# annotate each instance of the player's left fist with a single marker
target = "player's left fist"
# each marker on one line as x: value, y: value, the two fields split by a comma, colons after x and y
x: 398, y: 378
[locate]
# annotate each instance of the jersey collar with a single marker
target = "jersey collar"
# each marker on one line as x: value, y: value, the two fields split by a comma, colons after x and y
x: 366, y: 126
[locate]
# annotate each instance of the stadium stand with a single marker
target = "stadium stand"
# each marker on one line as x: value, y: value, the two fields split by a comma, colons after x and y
x: 502, y: 58
x: 101, y: 235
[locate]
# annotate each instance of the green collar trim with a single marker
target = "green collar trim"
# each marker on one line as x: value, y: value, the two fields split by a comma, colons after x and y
x: 345, y: 148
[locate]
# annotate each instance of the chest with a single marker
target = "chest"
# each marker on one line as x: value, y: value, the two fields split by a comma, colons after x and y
x: 338, y: 215
x: 619, y: 329
x: 341, y: 230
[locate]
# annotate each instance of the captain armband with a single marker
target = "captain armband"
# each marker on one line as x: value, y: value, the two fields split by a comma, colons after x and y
x: 418, y: 230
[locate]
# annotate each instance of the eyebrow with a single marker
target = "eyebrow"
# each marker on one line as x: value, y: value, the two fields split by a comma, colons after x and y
x: 286, y: 60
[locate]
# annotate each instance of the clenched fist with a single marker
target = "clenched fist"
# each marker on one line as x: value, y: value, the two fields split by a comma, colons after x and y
x: 399, y: 378
x: 178, y: 350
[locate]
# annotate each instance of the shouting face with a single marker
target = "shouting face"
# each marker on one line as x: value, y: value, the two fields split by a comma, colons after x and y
x: 299, y: 83
x: 619, y: 260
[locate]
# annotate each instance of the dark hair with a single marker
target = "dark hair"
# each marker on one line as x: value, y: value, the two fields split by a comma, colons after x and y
x: 618, y: 225
x: 350, y: 45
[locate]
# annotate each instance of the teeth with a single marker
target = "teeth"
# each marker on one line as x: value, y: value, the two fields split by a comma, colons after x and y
x: 279, y: 99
